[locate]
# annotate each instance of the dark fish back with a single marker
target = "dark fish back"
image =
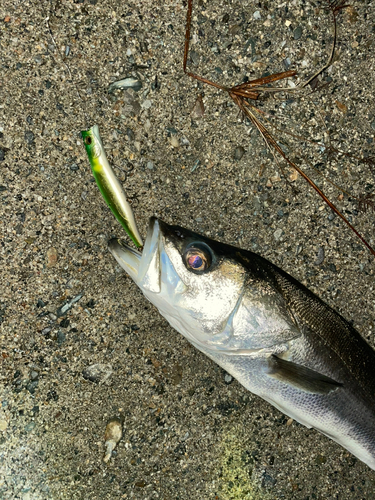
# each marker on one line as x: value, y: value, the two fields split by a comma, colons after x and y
x: 334, y: 332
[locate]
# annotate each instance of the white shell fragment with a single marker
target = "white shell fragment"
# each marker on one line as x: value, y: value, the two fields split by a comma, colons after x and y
x: 126, y: 83
x: 113, y: 434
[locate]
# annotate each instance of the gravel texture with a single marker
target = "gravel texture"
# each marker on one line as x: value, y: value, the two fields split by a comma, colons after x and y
x: 79, y: 343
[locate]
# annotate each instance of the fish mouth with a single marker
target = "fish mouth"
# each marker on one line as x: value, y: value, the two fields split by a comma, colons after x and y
x: 143, y: 267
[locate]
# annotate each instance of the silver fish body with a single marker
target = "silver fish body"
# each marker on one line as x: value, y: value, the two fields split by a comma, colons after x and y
x: 263, y: 327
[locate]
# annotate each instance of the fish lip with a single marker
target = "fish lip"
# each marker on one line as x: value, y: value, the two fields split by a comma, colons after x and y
x: 128, y: 258
x: 149, y: 269
x: 134, y: 262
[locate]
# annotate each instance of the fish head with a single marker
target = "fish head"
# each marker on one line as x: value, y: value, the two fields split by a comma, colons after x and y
x: 194, y: 281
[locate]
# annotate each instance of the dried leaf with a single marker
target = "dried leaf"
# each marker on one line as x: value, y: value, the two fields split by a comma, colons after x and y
x: 352, y: 14
x: 341, y: 106
x: 198, y: 109
x: 293, y: 176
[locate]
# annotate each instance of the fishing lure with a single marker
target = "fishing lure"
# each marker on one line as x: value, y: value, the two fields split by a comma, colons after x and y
x: 109, y: 185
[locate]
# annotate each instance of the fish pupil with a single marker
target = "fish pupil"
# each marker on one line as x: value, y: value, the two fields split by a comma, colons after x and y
x: 88, y: 140
x: 195, y: 261
x: 198, y: 257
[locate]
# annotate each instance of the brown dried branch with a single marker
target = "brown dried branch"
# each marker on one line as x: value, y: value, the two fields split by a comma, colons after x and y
x: 241, y: 94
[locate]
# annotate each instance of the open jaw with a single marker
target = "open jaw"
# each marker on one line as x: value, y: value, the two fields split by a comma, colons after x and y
x: 153, y: 271
x: 143, y: 267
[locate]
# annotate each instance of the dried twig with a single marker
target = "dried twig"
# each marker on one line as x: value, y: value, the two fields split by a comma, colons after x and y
x: 250, y: 91
x: 366, y: 202
x: 335, y: 6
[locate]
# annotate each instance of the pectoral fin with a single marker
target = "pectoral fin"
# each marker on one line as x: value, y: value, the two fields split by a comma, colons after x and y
x: 300, y: 377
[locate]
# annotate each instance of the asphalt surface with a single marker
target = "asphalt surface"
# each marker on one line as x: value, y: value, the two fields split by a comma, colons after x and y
x: 190, y: 432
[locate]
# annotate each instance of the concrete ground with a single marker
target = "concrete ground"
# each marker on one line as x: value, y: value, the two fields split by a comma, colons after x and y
x: 190, y: 432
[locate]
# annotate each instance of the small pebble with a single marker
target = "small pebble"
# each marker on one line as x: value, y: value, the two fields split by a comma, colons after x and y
x: 131, y: 105
x: 97, y: 373
x: 228, y: 379
x: 150, y: 165
x: 238, y: 153
x: 130, y: 134
x: 277, y: 234
x: 32, y: 385
x: 287, y: 62
x: 29, y: 137
x: 146, y: 104
x: 30, y: 426
x: 51, y: 257
x: 268, y: 481
x: 194, y: 57
x: 257, y: 15
x: 297, y: 33
x: 185, y: 436
x: 65, y: 323
x: 61, y: 337
x: 332, y: 267
x: 174, y: 141
x: 320, y: 256
x: 3, y: 425
x: 321, y: 459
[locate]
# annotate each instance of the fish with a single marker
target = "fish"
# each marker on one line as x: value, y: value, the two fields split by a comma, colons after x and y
x: 267, y: 330
x: 109, y: 185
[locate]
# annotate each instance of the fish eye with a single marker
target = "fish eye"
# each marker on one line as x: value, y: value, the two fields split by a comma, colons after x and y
x: 198, y: 258
x: 88, y: 140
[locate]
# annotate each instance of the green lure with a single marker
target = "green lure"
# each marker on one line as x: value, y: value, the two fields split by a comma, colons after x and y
x: 109, y: 185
